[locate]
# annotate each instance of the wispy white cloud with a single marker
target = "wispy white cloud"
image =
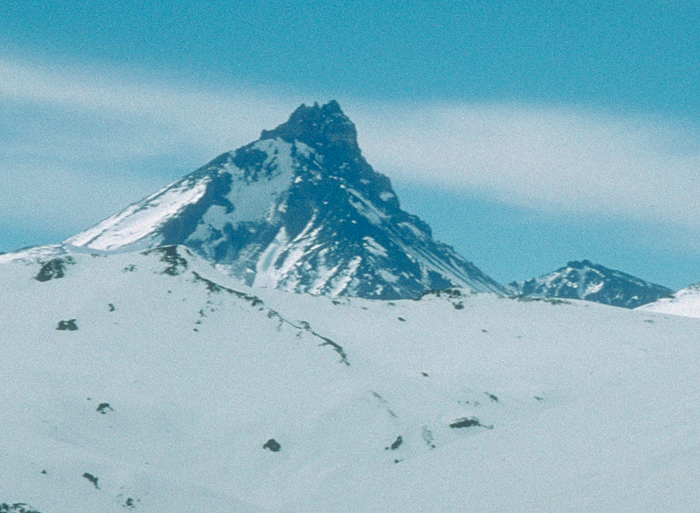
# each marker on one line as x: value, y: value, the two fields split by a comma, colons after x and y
x: 554, y: 159
x: 171, y: 114
x: 78, y: 144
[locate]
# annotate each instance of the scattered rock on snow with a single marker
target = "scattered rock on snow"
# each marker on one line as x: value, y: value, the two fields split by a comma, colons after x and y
x: 272, y: 445
x: 103, y: 408
x: 465, y: 423
x: 54, y: 269
x: 91, y: 478
x: 18, y: 507
x: 67, y: 325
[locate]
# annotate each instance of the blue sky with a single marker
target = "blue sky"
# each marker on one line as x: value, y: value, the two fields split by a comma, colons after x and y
x: 526, y: 133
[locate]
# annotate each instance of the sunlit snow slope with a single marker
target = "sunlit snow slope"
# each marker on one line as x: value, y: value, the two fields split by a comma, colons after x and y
x: 300, y: 210
x: 685, y: 302
x: 152, y: 382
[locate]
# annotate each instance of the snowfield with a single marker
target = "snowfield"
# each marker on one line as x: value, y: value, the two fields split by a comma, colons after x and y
x: 151, y: 382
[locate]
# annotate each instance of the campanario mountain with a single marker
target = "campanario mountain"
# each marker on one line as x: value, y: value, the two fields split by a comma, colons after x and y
x: 301, y: 210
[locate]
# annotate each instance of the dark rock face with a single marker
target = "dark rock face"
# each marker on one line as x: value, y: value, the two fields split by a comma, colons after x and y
x: 593, y: 282
x: 273, y: 445
x: 302, y: 210
x: 54, y: 269
x: 17, y: 507
x: 318, y: 126
x: 68, y: 325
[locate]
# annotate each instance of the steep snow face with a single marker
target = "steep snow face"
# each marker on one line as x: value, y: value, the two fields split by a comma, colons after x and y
x: 685, y: 302
x: 197, y: 207
x: 151, y: 382
x: 593, y: 282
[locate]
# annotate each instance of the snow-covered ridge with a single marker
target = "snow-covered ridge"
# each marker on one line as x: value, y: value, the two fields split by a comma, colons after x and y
x: 33, y: 254
x: 139, y: 222
x: 685, y: 302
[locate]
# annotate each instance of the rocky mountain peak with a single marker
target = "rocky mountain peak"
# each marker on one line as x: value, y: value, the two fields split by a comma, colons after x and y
x: 589, y: 281
x: 301, y: 210
x: 582, y: 264
x: 317, y: 126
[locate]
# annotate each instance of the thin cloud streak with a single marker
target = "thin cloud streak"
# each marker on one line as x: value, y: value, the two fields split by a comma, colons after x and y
x: 76, y: 131
x: 203, y: 117
x: 553, y: 159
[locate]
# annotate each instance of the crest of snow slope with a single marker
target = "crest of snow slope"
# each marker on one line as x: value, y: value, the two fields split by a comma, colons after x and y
x: 300, y: 210
x: 685, y: 302
x: 566, y: 406
x: 593, y: 282
x: 149, y: 222
x: 138, y: 224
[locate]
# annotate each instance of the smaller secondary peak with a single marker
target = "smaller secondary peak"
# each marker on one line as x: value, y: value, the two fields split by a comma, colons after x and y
x: 325, y: 125
x: 592, y: 282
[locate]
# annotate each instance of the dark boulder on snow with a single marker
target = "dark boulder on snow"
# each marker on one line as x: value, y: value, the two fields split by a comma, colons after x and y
x: 272, y: 445
x: 54, y: 269
x: 92, y: 479
x: 68, y: 325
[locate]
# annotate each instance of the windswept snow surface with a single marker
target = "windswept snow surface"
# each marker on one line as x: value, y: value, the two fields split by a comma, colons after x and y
x: 168, y: 394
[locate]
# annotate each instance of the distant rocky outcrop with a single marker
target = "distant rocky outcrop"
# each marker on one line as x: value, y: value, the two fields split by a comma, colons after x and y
x: 301, y: 210
x: 592, y: 282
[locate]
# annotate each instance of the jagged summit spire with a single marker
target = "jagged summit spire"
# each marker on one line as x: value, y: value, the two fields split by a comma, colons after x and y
x: 299, y: 210
x: 317, y: 125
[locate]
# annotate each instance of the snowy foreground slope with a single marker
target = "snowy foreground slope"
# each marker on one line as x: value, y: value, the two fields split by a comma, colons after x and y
x: 151, y: 382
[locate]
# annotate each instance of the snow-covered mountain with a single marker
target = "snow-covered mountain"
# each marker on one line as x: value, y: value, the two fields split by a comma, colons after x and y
x: 152, y: 382
x: 685, y: 302
x: 592, y: 282
x: 300, y: 210
x: 151, y: 364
